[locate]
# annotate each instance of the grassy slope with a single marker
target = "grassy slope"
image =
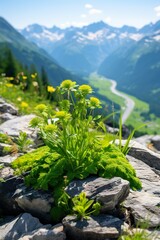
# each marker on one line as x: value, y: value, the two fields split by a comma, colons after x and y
x: 15, y: 95
x: 140, y: 113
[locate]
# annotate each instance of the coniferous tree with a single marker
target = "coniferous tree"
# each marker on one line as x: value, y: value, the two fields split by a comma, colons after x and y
x: 10, y: 64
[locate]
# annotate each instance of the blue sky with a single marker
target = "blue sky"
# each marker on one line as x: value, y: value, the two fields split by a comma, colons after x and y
x: 63, y: 13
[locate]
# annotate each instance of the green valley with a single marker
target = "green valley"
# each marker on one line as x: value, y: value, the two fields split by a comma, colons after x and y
x: 140, y: 113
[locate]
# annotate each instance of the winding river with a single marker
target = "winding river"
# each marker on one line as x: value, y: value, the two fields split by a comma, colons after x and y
x: 128, y: 101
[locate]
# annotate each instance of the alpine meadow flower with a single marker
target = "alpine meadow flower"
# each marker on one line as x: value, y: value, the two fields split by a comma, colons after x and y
x: 95, y: 102
x: 41, y: 107
x: 50, y: 128
x: 34, y: 75
x: 51, y: 89
x: 67, y: 84
x: 62, y: 115
x: 85, y: 89
x: 24, y: 105
x: 9, y: 85
x: 24, y: 77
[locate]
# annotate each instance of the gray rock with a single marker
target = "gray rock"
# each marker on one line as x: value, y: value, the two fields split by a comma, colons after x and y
x: 20, y: 225
x: 8, y: 159
x: 6, y: 172
x: 55, y: 233
x: 8, y: 108
x: 150, y: 180
x: 14, y: 126
x: 36, y: 202
x: 109, y: 192
x: 6, y: 116
x: 156, y: 142
x: 142, y: 153
x: 144, y: 207
x: 102, y: 227
x: 15, y: 198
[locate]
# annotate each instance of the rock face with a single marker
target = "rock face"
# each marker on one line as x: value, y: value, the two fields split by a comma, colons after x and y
x: 109, y: 193
x: 26, y: 227
x: 142, y: 153
x: 15, y: 198
x: 101, y: 227
x: 7, y: 108
x: 14, y: 126
x: 145, y: 205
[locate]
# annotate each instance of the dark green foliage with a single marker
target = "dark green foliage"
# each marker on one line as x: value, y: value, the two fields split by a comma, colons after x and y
x: 114, y: 163
x: 25, y: 162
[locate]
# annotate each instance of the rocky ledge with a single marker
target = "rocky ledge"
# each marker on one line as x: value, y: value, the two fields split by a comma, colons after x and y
x: 26, y: 211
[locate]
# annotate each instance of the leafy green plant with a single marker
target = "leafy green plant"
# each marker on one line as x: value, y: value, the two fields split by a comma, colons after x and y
x: 27, y: 161
x: 4, y: 138
x: 23, y: 142
x: 78, y: 146
x: 83, y: 207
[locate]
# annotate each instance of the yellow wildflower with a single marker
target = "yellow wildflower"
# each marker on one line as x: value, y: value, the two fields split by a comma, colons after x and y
x: 63, y: 115
x: 24, y: 105
x: 85, y: 89
x: 94, y: 102
x: 41, y: 107
x: 9, y: 85
x: 10, y: 78
x: 51, y: 89
x: 34, y: 75
x: 24, y: 77
x: 50, y: 128
x: 68, y: 84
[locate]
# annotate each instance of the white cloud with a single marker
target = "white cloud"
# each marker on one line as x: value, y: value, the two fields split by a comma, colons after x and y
x: 88, y: 6
x: 108, y: 20
x: 94, y: 11
x: 157, y: 10
x: 83, y: 16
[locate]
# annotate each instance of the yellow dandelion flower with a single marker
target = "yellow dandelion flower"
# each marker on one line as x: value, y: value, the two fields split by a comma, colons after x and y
x: 24, y: 105
x: 33, y: 76
x: 50, y: 128
x: 51, y: 89
x: 9, y: 85
x: 41, y: 107
x: 24, y: 77
x: 68, y: 84
x: 85, y: 89
x: 63, y: 115
x: 95, y: 102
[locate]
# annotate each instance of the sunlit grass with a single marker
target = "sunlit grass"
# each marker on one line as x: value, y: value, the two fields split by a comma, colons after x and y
x: 25, y: 101
x: 140, y: 113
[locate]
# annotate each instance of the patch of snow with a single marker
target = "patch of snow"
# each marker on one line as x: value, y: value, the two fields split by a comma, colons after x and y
x: 157, y: 38
x: 111, y: 36
x: 136, y: 36
x: 123, y: 35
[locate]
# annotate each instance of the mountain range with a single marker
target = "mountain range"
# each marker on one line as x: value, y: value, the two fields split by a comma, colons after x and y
x: 129, y: 55
x: 83, y: 49
x: 30, y: 54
